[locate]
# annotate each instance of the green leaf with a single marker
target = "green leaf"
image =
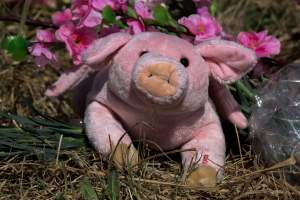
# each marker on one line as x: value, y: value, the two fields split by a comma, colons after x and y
x: 37, y: 136
x: 131, y: 12
x: 177, y: 26
x: 163, y: 18
x: 87, y: 190
x: 162, y: 15
x: 6, y: 41
x: 213, y: 8
x: 20, y: 119
x: 246, y: 90
x: 109, y: 16
x: 121, y: 24
x: 113, y: 185
x: 16, y: 46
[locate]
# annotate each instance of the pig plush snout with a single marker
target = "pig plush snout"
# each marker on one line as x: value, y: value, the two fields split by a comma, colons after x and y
x: 160, y: 80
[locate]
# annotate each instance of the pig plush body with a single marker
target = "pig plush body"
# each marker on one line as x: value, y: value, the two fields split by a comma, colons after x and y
x: 154, y: 87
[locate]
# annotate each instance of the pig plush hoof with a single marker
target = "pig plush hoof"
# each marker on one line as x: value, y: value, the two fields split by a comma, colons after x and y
x: 202, y: 176
x: 125, y: 156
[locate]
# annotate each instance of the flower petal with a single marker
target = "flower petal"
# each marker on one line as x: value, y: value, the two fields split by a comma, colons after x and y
x: 263, y: 44
x: 100, y: 4
x: 45, y: 36
x: 142, y: 10
x: 135, y: 26
x: 62, y: 17
x: 93, y: 19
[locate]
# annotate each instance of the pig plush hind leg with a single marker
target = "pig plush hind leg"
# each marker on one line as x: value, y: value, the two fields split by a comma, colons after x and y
x: 208, y: 157
x: 108, y: 136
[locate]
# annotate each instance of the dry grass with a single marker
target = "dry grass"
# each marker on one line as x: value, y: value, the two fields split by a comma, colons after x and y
x: 159, y: 177
x: 23, y: 81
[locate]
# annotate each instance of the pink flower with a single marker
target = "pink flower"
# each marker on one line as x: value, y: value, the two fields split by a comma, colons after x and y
x: 151, y: 3
x: 92, y: 19
x: 142, y: 10
x: 203, y: 11
x: 100, y: 4
x: 42, y: 54
x: 62, y: 17
x: 263, y: 44
x: 114, y: 4
x: 82, y: 12
x: 40, y: 49
x: 76, y: 39
x: 203, y: 25
x: 135, y: 26
x: 85, y: 14
x: 45, y: 36
x: 80, y: 8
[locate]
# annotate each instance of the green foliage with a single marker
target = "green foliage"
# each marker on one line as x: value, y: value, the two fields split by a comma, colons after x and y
x: 164, y: 18
x: 213, y: 8
x: 109, y: 16
x: 113, y: 185
x: 245, y: 93
x: 37, y: 136
x: 162, y: 15
x: 16, y: 46
x: 131, y: 12
x: 87, y: 190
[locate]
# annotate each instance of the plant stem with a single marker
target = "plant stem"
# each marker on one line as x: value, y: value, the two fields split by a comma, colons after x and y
x: 246, y: 90
x: 24, y: 16
x: 28, y: 22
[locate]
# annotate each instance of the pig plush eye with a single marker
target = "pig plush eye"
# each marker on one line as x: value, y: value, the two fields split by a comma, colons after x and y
x: 143, y: 52
x: 184, y: 61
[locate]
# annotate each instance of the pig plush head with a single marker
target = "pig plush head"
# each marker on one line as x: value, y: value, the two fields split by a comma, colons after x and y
x: 166, y: 71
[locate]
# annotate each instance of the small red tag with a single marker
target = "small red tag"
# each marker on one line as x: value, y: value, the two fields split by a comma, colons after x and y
x: 205, y: 159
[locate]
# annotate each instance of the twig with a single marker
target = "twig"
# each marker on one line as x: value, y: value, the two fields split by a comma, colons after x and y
x: 2, y: 185
x: 29, y: 22
x: 250, y: 193
x: 290, y: 187
x: 24, y: 15
x: 239, y: 143
x: 58, y: 149
x: 289, y: 162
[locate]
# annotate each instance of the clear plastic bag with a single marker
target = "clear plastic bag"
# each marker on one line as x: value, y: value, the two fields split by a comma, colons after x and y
x: 275, y: 121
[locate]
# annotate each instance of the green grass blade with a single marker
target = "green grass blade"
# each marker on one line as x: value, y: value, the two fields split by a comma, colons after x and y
x: 113, y: 186
x: 87, y: 190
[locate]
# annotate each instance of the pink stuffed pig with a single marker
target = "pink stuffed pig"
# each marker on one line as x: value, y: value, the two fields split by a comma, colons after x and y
x: 156, y: 86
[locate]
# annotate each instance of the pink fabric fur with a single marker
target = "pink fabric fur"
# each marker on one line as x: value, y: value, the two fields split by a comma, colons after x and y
x: 186, y: 120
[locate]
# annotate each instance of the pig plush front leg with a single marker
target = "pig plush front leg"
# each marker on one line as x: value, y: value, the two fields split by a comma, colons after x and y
x: 108, y: 136
x: 226, y: 104
x: 208, y: 156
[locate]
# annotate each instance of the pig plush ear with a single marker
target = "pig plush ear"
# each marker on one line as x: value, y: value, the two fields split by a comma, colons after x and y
x: 228, y: 61
x: 104, y: 47
x: 96, y: 53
